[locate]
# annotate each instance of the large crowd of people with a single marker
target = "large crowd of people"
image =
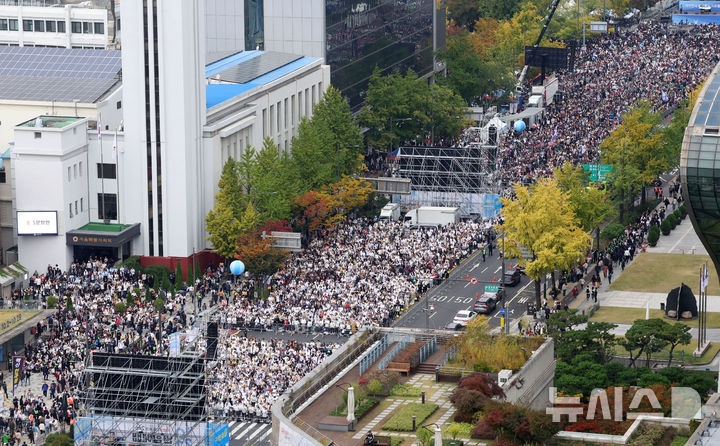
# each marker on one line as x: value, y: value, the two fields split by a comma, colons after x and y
x: 363, y: 273
x: 651, y: 62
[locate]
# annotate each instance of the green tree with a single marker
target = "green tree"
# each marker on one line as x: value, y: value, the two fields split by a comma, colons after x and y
x: 270, y: 183
x: 587, y: 202
x: 258, y: 254
x: 178, y: 277
x: 675, y: 334
x: 69, y: 303
x: 223, y: 221
x: 120, y: 307
x: 51, y: 302
x: 249, y: 219
x: 463, y: 12
x: 446, y: 112
x: 469, y: 75
x: 638, y: 144
x: 59, y: 439
x: 595, y: 340
x: 541, y: 220
x: 394, y: 109
x: 643, y: 337
x: 328, y: 145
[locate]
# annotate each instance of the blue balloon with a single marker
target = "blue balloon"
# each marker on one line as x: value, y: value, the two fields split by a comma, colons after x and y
x: 237, y: 267
x: 519, y: 126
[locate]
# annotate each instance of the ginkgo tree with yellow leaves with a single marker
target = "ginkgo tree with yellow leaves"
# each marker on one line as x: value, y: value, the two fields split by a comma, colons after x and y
x: 541, y: 220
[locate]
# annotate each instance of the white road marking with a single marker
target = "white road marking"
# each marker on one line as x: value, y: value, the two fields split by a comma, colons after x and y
x: 477, y: 265
x: 237, y: 429
x: 431, y: 316
x: 242, y: 434
x: 467, y: 285
x: 257, y: 431
x: 499, y: 268
x: 486, y: 268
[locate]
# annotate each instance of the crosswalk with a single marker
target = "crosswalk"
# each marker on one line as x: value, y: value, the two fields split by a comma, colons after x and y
x: 246, y: 433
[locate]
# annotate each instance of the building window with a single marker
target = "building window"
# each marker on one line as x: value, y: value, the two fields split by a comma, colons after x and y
x: 82, y: 205
x: 278, y: 114
x: 38, y: 135
x: 272, y: 120
x: 3, y: 24
x: 74, y: 170
x: 27, y: 25
x: 60, y: 27
x: 109, y: 205
x: 80, y: 168
x: 118, y: 24
x: 99, y: 28
x: 264, y: 113
x: 87, y: 27
x: 76, y: 27
x: 76, y: 212
x: 50, y: 26
x: 13, y: 24
x: 39, y: 26
x: 69, y: 174
x: 254, y: 25
x: 118, y: 105
x: 70, y: 209
x: 3, y: 179
x: 106, y: 171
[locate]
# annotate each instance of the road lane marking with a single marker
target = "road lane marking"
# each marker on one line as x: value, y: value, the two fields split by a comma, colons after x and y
x: 486, y: 268
x: 499, y: 268
x: 477, y: 265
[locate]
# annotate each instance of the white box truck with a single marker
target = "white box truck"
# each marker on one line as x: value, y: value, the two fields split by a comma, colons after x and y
x: 433, y: 216
x: 390, y: 211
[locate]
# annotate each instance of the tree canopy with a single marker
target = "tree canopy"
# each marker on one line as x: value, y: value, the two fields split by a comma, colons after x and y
x: 540, y: 219
x: 402, y: 108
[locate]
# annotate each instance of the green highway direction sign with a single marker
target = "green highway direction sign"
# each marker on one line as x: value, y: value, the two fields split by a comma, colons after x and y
x: 604, y: 169
x: 492, y: 288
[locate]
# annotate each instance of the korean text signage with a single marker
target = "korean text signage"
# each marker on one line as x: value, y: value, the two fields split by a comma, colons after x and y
x: 10, y: 322
x: 37, y: 222
x: 603, y: 169
x: 18, y: 363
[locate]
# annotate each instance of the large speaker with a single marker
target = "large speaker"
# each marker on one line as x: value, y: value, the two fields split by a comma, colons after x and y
x: 492, y: 135
x: 212, y: 340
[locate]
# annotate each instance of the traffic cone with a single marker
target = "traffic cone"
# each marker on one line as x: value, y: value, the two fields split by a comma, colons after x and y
x: 477, y: 296
x: 467, y: 277
x: 494, y: 279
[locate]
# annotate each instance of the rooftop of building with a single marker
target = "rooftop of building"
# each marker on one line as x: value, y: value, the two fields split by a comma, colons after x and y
x: 102, y: 227
x: 58, y: 74
x: 51, y: 122
x: 234, y: 73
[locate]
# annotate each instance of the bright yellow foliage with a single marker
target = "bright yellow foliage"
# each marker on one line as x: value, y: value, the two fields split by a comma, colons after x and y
x: 541, y: 220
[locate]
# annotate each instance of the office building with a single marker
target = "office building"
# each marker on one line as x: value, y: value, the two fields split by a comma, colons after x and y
x: 700, y: 166
x: 61, y: 26
x: 351, y: 36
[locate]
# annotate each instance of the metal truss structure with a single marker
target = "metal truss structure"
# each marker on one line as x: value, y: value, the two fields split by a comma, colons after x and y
x: 138, y: 399
x: 448, y: 176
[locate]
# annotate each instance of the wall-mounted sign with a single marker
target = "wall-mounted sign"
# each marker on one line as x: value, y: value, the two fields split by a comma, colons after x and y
x: 37, y: 222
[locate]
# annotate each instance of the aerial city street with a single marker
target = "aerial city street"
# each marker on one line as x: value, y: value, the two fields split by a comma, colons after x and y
x: 359, y: 222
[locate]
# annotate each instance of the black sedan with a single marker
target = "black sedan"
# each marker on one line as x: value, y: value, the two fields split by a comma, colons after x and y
x: 512, y: 277
x: 484, y: 305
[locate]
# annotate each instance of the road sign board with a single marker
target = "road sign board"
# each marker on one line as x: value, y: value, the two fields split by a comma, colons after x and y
x: 474, y: 281
x: 604, y: 170
x: 492, y: 288
x: 502, y: 312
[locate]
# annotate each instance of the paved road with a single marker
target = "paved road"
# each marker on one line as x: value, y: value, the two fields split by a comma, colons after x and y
x: 457, y: 293
x: 250, y: 434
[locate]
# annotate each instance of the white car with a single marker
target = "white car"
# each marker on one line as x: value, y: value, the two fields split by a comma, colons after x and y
x: 464, y: 316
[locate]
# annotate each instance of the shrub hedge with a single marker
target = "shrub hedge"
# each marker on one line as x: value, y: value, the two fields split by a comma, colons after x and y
x: 653, y: 235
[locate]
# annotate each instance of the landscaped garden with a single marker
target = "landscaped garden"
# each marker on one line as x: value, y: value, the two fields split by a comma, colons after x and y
x: 402, y: 420
x: 479, y: 351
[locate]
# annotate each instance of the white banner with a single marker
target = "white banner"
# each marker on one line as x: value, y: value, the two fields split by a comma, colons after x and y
x: 91, y: 431
x: 37, y: 222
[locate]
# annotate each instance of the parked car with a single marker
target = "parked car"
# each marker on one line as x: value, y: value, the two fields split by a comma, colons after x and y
x: 464, y: 316
x: 512, y: 277
x: 497, y: 296
x: 484, y: 305
x: 454, y: 326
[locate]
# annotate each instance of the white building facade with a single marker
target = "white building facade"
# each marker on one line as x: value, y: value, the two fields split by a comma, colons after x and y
x: 66, y: 26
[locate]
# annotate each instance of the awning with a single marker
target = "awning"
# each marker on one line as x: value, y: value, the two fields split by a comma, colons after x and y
x: 98, y: 234
x: 6, y: 155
